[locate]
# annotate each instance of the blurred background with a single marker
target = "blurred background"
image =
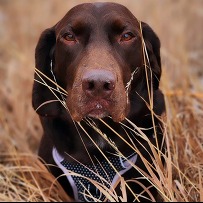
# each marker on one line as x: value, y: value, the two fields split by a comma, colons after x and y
x: 178, y: 23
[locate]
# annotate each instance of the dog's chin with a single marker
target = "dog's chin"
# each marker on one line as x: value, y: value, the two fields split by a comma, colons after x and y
x: 98, y: 110
x: 93, y: 113
x: 98, y: 114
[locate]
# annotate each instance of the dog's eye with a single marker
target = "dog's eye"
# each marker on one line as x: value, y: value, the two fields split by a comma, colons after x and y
x: 127, y: 37
x: 69, y: 37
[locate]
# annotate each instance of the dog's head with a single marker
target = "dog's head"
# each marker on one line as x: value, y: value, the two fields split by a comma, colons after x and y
x: 98, y: 56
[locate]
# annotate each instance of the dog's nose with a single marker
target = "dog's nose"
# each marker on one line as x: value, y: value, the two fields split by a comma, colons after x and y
x: 98, y: 83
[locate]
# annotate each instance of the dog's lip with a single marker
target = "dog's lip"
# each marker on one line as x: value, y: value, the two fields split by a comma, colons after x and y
x: 98, y: 109
x: 97, y: 114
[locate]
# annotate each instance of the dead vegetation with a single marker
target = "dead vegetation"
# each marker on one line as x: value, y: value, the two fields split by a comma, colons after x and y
x: 22, y: 175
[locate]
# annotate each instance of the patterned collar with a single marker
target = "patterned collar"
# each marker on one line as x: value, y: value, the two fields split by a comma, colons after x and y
x: 106, y: 173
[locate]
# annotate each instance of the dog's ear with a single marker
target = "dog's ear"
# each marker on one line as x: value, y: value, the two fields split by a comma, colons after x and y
x: 43, y: 100
x: 153, y: 50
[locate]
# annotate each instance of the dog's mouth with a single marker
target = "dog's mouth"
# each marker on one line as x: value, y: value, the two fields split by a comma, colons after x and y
x: 98, y: 109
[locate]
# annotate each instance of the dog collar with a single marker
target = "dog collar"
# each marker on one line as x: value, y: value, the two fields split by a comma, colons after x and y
x: 104, y: 172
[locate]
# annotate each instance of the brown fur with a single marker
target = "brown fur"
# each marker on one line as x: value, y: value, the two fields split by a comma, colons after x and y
x: 94, y: 49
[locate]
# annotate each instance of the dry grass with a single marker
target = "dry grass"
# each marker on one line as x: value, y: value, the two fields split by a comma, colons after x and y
x: 22, y: 175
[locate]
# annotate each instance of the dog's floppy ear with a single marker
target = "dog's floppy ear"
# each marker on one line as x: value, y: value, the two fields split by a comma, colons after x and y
x: 153, y: 50
x: 43, y: 100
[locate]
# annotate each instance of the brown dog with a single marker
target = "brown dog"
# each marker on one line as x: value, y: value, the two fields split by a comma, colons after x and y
x: 97, y: 55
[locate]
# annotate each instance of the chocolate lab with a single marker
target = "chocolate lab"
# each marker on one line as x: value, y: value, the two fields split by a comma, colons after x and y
x: 96, y: 91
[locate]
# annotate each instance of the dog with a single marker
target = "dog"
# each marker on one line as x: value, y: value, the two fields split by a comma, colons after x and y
x: 96, y: 90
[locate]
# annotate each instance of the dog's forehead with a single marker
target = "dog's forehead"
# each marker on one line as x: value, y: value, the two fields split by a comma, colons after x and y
x: 96, y: 12
x: 100, y: 8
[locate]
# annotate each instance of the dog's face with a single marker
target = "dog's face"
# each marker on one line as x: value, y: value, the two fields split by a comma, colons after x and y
x: 97, y: 56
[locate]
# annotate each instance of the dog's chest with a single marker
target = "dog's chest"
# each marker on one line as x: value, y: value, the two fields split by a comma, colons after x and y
x: 86, y: 180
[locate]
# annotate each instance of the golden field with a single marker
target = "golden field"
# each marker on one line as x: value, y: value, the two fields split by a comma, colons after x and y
x: 179, y: 27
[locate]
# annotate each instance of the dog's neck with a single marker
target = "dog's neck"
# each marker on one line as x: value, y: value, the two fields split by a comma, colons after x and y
x: 105, y: 173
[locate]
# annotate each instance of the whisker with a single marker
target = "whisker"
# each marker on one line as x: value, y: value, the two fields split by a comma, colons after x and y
x: 57, y: 87
x: 62, y: 102
x: 45, y: 103
x: 117, y: 134
x: 51, y: 87
x: 83, y: 142
x: 39, y: 72
x: 147, y: 164
x: 93, y: 125
x: 131, y: 79
x: 127, y: 87
x: 109, y: 162
x: 150, y: 93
